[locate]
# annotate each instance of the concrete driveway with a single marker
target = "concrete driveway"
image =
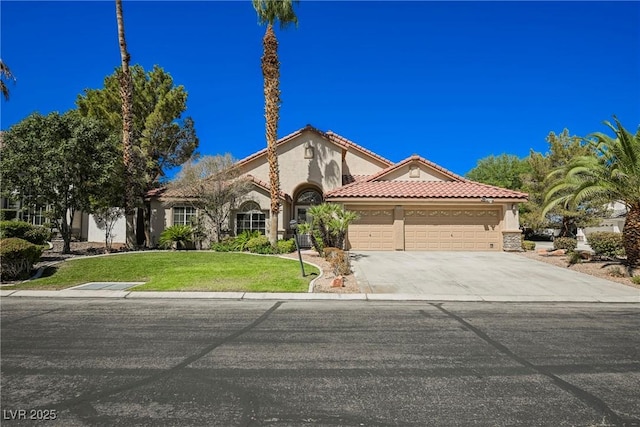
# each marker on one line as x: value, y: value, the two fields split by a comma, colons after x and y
x: 479, y: 276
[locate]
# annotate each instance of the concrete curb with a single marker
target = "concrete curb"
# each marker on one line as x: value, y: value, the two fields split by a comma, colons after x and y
x: 259, y: 296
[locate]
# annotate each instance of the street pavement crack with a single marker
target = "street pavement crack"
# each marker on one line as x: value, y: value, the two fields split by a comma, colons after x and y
x: 589, y: 399
x: 44, y: 313
x: 83, y: 400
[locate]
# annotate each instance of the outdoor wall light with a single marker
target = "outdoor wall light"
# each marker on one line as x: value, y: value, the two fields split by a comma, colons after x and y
x: 486, y: 200
x: 308, y: 150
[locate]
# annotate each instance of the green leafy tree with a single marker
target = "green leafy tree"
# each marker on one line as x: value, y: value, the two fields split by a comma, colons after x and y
x: 609, y: 172
x: 57, y: 161
x: 214, y: 187
x: 505, y: 170
x: 562, y: 149
x: 5, y: 76
x: 161, y: 138
x: 269, y: 12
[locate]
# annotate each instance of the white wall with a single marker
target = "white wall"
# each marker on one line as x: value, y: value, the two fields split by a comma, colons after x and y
x: 96, y: 231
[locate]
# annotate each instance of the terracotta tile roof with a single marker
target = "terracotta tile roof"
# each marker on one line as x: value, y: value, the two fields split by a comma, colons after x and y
x: 348, y: 179
x: 423, y: 190
x: 331, y: 136
x: 419, y: 159
x: 267, y: 187
x: 346, y: 143
x: 173, y: 193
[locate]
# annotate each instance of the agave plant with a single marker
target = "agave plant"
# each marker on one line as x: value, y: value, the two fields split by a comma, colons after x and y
x: 178, y: 235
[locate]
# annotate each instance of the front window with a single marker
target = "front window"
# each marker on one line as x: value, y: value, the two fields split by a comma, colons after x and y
x: 250, y: 218
x: 184, y: 215
x: 304, y: 201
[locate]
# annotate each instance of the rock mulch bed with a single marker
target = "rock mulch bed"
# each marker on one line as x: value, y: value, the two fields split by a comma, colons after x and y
x: 602, y: 269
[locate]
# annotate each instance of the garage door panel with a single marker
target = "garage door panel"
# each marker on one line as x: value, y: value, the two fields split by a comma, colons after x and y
x: 372, y: 231
x: 452, y: 229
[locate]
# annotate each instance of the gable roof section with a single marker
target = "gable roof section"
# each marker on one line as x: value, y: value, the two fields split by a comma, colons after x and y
x: 423, y: 190
x: 347, y: 143
x: 265, y: 186
x: 416, y: 159
x: 172, y: 193
x: 329, y: 136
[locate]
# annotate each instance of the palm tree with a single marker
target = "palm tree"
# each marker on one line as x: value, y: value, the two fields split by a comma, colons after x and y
x: 270, y: 11
x: 126, y: 95
x: 5, y: 74
x: 612, y: 174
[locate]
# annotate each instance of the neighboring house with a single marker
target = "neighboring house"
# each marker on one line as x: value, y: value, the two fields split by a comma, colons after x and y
x: 614, y: 222
x: 411, y: 205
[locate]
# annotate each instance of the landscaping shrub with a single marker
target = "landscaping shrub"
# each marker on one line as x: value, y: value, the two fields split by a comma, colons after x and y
x: 241, y: 240
x: 286, y: 246
x: 636, y: 280
x: 575, y: 257
x: 179, y: 235
x: 616, y: 272
x: 17, y: 257
x: 528, y: 245
x: 259, y: 245
x: 565, y: 243
x: 606, y: 243
x: 226, y: 245
x: 339, y: 261
x: 35, y: 234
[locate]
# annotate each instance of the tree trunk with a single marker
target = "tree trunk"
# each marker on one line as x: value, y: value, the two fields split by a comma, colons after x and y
x: 271, y: 74
x: 65, y: 233
x: 631, y: 235
x: 126, y: 95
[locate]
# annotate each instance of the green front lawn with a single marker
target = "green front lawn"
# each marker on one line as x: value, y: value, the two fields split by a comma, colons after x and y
x: 182, y: 271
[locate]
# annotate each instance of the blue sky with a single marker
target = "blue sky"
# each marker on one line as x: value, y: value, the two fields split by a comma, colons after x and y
x: 451, y: 81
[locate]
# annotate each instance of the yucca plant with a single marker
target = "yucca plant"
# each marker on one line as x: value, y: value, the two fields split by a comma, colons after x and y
x: 178, y: 235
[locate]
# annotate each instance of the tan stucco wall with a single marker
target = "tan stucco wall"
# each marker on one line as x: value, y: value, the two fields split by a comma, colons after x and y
x: 511, y: 218
x: 425, y: 174
x: 323, y: 170
x: 356, y: 163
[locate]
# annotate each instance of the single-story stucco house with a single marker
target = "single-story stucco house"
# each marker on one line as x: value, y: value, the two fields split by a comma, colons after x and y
x: 413, y: 205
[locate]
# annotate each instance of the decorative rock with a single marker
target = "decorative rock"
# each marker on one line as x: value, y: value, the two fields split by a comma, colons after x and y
x: 337, y: 282
x: 558, y: 252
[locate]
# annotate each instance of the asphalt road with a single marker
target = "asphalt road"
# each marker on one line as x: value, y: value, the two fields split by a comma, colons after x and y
x: 266, y: 363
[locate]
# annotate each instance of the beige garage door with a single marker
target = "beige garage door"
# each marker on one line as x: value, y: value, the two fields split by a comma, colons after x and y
x: 452, y: 230
x: 373, y: 231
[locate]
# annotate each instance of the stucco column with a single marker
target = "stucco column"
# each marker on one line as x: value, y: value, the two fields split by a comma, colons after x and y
x: 398, y: 228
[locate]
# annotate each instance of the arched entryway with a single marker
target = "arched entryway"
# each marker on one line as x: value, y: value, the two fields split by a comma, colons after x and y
x: 304, y: 199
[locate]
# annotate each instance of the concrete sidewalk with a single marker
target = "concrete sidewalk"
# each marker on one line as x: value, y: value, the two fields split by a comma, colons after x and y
x: 88, y: 294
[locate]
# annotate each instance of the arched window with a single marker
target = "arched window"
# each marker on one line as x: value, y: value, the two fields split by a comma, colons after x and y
x: 306, y: 199
x: 250, y: 218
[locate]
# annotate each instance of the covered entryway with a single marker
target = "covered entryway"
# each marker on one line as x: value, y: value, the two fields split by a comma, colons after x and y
x: 373, y: 231
x: 452, y: 230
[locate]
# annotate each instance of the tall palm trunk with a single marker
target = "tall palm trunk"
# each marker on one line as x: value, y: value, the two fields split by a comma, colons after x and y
x: 631, y: 235
x: 126, y: 95
x: 271, y: 74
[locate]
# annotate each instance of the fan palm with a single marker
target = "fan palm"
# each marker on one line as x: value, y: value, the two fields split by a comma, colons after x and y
x: 126, y: 95
x: 612, y: 174
x: 270, y: 11
x: 5, y: 74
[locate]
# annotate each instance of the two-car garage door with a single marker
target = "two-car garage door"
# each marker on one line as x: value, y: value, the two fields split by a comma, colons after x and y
x: 426, y: 229
x: 451, y: 230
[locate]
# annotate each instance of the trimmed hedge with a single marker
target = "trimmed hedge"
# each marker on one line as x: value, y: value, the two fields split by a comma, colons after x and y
x: 606, y: 243
x: 259, y: 245
x: 286, y: 246
x: 528, y: 245
x: 565, y: 243
x: 35, y: 234
x: 17, y: 257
